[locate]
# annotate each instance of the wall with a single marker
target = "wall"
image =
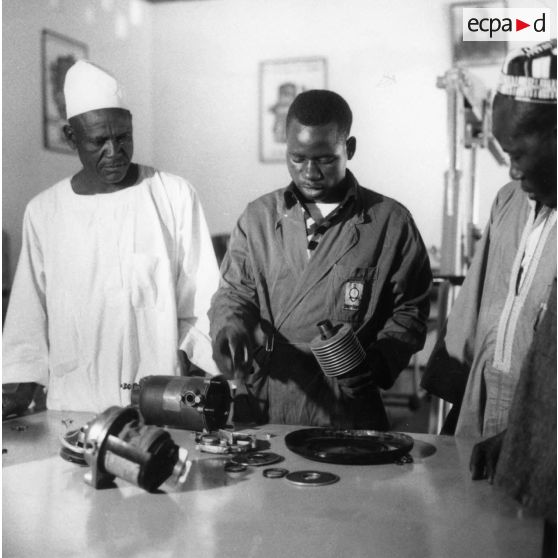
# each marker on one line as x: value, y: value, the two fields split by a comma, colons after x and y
x: 383, y: 56
x: 119, y: 38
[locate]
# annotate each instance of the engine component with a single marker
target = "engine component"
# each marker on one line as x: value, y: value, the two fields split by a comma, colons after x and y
x: 337, y: 349
x: 349, y: 447
x: 224, y: 442
x: 190, y: 403
x: 311, y: 478
x: 118, y: 444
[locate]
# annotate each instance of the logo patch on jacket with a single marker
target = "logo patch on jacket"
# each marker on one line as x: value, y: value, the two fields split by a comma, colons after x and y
x: 353, y: 295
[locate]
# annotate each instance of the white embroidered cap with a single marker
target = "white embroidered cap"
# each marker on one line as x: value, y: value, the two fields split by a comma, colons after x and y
x: 89, y: 87
x: 529, y: 74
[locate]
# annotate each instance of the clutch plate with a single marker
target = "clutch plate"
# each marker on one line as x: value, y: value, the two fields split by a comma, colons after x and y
x: 349, y: 447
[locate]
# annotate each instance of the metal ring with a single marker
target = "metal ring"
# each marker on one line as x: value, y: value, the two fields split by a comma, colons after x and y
x: 231, y: 467
x: 275, y: 473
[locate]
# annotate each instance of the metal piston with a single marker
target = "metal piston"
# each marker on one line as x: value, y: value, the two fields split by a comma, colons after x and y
x: 337, y: 349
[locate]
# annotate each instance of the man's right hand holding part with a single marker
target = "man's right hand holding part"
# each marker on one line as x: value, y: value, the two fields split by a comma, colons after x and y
x: 233, y: 351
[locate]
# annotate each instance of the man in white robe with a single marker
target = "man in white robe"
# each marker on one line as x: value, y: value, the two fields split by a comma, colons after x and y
x: 476, y: 365
x: 116, y: 270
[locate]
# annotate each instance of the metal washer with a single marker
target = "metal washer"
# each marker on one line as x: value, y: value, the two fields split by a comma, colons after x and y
x: 275, y: 473
x: 311, y: 478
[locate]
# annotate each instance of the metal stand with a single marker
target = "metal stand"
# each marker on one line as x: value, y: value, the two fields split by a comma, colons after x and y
x: 469, y: 128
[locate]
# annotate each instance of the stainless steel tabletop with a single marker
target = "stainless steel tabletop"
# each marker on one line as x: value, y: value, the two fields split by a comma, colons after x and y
x: 430, y: 508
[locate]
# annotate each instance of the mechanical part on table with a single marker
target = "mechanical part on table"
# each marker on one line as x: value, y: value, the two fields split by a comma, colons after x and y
x: 118, y: 444
x: 275, y: 473
x: 73, y: 445
x: 257, y: 458
x: 311, y: 478
x: 189, y: 403
x: 349, y: 447
x: 225, y: 441
x: 469, y: 126
x: 337, y: 349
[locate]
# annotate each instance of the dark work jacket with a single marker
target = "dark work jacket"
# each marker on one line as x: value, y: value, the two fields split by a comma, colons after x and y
x: 269, y: 281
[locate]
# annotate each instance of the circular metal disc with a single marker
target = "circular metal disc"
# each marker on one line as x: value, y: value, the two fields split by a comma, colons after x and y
x: 312, y: 478
x: 257, y: 458
x: 349, y: 447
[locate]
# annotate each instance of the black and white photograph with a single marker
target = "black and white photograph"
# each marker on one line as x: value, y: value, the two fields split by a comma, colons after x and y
x: 279, y: 278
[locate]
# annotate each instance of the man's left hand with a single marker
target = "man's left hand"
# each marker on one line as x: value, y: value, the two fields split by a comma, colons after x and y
x: 484, y: 457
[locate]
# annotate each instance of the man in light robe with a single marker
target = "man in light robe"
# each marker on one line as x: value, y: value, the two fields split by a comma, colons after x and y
x: 476, y: 364
x: 116, y: 269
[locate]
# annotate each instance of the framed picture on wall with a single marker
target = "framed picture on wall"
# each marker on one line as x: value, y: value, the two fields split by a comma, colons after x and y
x: 474, y: 53
x: 58, y: 53
x: 280, y: 82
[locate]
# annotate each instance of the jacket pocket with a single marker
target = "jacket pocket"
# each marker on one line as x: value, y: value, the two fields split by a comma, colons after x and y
x: 352, y: 290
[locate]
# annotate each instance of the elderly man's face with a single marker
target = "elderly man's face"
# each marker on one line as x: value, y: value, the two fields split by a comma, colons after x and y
x: 317, y: 160
x: 104, y: 141
x: 532, y: 154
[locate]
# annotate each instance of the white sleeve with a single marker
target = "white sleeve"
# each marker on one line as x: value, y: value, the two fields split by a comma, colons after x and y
x: 25, y: 337
x: 197, y: 282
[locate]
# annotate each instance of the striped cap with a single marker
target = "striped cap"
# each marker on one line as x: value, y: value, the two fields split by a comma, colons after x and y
x: 529, y: 74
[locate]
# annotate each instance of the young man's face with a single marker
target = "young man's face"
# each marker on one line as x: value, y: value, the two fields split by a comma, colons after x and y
x: 317, y: 160
x: 532, y: 155
x: 104, y: 142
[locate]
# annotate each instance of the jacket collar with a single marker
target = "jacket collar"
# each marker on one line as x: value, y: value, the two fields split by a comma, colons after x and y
x: 292, y: 196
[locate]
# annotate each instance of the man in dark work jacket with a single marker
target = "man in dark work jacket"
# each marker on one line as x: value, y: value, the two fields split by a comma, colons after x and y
x: 322, y: 248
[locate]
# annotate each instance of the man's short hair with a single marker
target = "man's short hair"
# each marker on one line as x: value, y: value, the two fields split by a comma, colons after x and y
x: 531, y: 118
x: 317, y: 107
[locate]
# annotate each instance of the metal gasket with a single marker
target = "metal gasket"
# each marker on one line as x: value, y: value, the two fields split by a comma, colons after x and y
x: 349, y: 447
x: 257, y: 458
x: 312, y: 478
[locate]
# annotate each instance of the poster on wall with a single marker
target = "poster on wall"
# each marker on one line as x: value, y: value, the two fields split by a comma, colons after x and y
x: 58, y: 54
x: 280, y: 82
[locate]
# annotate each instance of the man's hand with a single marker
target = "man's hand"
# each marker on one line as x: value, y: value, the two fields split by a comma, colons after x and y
x: 233, y: 351
x: 484, y: 457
